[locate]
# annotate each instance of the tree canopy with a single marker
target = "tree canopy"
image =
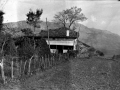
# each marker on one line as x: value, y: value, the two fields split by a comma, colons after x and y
x: 1, y: 19
x: 27, y: 31
x: 68, y: 17
x: 33, y: 18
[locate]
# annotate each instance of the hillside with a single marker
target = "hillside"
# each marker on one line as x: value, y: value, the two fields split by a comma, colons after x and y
x: 77, y: 74
x: 102, y: 40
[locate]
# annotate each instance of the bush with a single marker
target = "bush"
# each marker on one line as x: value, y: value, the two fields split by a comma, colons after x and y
x: 27, y: 31
x: 10, y: 48
x: 42, y: 47
x: 26, y: 47
x: 100, y: 53
x: 72, y: 53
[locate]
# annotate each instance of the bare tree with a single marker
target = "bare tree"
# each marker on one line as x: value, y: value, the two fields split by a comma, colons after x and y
x: 69, y: 17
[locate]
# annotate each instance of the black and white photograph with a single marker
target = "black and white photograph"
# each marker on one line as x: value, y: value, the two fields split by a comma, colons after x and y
x: 59, y: 45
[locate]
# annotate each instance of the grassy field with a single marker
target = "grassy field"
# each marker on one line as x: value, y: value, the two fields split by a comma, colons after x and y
x: 76, y: 74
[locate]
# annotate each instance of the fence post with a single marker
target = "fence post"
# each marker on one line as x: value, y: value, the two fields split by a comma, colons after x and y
x: 42, y: 64
x: 45, y: 61
x: 12, y: 76
x: 39, y: 63
x: 2, y: 70
x: 29, y: 69
x: 17, y: 65
x: 48, y: 61
x: 24, y: 67
x: 34, y: 64
x: 20, y: 67
x: 53, y: 60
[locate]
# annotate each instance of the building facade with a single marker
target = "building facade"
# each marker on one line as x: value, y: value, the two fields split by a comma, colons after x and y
x: 60, y: 40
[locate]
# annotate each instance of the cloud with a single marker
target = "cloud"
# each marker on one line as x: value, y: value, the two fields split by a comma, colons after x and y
x: 10, y: 10
x: 93, y: 18
x: 103, y: 22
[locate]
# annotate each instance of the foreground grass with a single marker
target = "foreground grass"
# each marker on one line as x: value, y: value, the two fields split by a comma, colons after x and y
x: 77, y: 74
x: 96, y: 74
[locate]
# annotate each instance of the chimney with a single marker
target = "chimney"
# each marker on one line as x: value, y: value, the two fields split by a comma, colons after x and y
x: 67, y: 33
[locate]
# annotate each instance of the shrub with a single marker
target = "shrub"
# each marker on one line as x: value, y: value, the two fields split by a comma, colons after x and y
x: 100, y: 53
x: 42, y: 47
x: 25, y: 48
x: 10, y: 48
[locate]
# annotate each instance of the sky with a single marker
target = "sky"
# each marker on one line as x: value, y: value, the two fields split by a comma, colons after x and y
x: 101, y: 14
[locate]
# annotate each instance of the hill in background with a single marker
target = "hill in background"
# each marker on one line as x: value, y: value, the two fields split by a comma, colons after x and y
x: 103, y: 40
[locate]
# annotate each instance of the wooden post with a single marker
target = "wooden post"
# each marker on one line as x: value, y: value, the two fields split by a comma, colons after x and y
x: 48, y: 61
x: 48, y: 33
x: 34, y: 63
x: 39, y: 63
x: 24, y: 67
x: 29, y: 69
x: 42, y: 63
x: 2, y: 70
x: 12, y: 76
x: 53, y: 60
x: 21, y: 67
x: 45, y: 62
x: 17, y: 65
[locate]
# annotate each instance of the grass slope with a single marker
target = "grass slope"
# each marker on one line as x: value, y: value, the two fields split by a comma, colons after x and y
x: 77, y: 74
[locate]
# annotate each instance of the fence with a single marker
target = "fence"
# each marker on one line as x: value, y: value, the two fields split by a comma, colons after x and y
x: 15, y: 67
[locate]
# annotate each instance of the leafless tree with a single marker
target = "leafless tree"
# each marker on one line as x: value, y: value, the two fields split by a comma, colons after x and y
x: 69, y: 17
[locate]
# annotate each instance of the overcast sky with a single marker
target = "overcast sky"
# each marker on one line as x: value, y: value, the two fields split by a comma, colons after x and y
x: 104, y: 14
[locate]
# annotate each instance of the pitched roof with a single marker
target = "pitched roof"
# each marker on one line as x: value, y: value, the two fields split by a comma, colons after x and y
x: 58, y: 33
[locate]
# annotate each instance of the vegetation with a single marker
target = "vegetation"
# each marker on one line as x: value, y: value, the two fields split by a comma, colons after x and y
x: 33, y: 18
x: 27, y: 31
x: 3, y: 40
x: 19, y: 52
x: 69, y: 17
x: 1, y: 19
x: 27, y: 54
